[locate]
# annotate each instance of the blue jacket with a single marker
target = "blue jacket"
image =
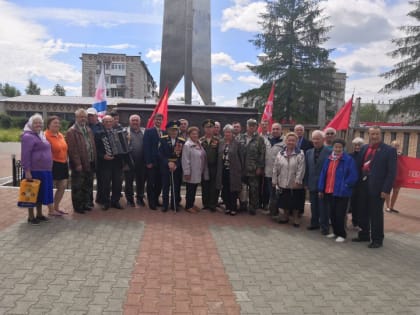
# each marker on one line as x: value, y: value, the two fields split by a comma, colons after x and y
x: 151, y: 146
x: 383, y: 169
x: 346, y: 176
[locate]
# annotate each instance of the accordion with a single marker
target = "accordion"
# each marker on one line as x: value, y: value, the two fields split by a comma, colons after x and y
x: 115, y: 142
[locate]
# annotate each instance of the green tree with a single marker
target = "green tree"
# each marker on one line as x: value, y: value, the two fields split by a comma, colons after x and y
x: 9, y: 90
x: 406, y: 73
x: 59, y: 90
x: 369, y: 112
x: 293, y: 32
x: 32, y: 88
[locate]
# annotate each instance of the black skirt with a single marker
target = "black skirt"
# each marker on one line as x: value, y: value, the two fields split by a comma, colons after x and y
x: 60, y: 171
x: 292, y: 199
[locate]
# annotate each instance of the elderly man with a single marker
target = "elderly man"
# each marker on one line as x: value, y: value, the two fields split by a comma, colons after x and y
x: 254, y: 159
x: 314, y: 159
x: 135, y: 141
x: 378, y: 167
x: 330, y: 135
x: 183, y: 128
x: 265, y: 133
x: 110, y: 166
x: 303, y: 143
x: 210, y: 144
x: 217, y: 130
x: 82, y: 160
x: 276, y: 143
x: 170, y: 152
x: 151, y: 158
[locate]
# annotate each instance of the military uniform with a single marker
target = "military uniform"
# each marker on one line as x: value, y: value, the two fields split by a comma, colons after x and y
x: 210, y: 194
x: 254, y: 158
x: 170, y: 150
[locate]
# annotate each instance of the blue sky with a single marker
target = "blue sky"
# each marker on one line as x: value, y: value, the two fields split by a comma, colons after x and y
x: 43, y: 40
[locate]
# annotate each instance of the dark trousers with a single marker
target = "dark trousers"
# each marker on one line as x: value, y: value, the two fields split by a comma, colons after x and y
x: 99, y: 190
x: 111, y: 180
x: 254, y: 193
x: 267, y: 189
x: 167, y: 185
x: 338, y: 210
x: 209, y: 192
x: 190, y: 195
x: 138, y: 174
x: 81, y: 187
x: 229, y: 197
x: 154, y: 185
x: 371, y: 215
x: 319, y: 212
x: 354, y: 206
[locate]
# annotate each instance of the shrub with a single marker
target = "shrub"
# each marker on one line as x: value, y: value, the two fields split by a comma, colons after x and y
x: 5, y: 121
x: 19, y: 122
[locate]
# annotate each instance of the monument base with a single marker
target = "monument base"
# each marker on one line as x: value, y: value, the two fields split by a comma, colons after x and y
x: 193, y: 113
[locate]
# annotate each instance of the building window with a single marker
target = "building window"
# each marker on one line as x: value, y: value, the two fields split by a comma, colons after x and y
x: 362, y: 134
x: 393, y: 136
x: 418, y: 146
x: 406, y: 143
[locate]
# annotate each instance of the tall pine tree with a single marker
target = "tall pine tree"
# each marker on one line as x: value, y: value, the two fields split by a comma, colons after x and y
x: 32, y: 88
x: 293, y: 32
x: 406, y: 73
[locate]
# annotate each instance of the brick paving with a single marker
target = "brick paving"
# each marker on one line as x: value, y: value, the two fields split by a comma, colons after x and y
x: 137, y: 261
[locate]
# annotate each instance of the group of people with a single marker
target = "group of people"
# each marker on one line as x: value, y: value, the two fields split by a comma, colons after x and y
x: 251, y: 170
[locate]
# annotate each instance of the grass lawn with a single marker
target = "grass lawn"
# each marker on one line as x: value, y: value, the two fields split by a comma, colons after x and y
x: 10, y: 135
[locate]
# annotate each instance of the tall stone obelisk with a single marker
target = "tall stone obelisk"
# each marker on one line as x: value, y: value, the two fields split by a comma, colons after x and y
x: 186, y: 48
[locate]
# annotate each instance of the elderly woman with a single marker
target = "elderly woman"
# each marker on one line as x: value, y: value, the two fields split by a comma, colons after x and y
x: 37, y: 164
x: 287, y: 179
x: 229, y: 170
x: 194, y: 167
x: 60, y: 168
x: 354, y: 203
x: 338, y: 176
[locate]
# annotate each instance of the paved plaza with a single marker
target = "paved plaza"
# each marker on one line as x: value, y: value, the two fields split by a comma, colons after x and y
x: 138, y: 261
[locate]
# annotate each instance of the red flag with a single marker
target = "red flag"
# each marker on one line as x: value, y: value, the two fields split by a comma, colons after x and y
x: 268, y: 109
x: 341, y: 120
x: 408, y: 172
x: 161, y: 108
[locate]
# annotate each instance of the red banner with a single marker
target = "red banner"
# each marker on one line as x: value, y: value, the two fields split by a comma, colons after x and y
x: 341, y: 120
x: 268, y: 109
x: 161, y: 108
x: 408, y: 172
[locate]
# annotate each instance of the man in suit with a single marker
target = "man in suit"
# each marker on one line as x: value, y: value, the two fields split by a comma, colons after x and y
x: 302, y: 143
x: 170, y: 150
x: 378, y: 165
x: 151, y: 158
x: 314, y: 159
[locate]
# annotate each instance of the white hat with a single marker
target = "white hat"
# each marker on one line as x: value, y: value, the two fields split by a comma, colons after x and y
x: 92, y: 111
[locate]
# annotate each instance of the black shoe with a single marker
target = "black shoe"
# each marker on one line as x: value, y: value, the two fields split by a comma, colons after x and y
x: 360, y: 239
x: 252, y: 212
x: 375, y: 245
x: 212, y: 209
x: 80, y: 211
x: 130, y: 204
x: 311, y: 228
x: 140, y: 202
x: 42, y: 218
x: 296, y: 225
x: 324, y: 232
x: 395, y: 211
x: 105, y: 206
x: 34, y: 221
x: 116, y: 205
x: 87, y: 208
x: 163, y: 209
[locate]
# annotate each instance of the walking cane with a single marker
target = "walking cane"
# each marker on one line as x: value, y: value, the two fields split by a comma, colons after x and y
x: 173, y: 190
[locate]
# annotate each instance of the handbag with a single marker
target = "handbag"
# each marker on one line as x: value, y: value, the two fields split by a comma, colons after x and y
x: 28, y: 193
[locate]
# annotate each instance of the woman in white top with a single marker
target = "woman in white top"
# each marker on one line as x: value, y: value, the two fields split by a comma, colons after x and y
x: 194, y: 167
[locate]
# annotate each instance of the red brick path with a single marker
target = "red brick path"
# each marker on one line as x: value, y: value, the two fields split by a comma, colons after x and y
x: 178, y: 270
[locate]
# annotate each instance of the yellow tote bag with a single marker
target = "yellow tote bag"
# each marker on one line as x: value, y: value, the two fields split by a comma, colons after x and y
x: 28, y: 193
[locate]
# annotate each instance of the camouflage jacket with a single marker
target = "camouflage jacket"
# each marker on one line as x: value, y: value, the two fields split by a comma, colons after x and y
x: 253, y: 153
